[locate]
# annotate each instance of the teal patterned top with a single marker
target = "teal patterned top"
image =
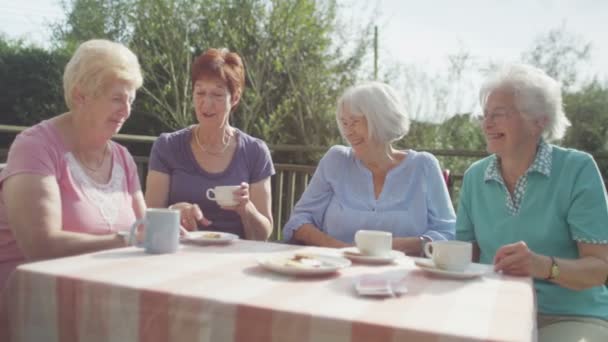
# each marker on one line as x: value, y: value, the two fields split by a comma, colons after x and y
x: 559, y: 201
x: 541, y: 164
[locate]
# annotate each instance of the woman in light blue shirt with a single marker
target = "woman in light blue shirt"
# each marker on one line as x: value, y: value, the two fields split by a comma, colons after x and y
x: 539, y: 210
x: 371, y: 185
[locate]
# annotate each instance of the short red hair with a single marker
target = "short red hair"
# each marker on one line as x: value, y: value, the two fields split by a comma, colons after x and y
x: 220, y: 64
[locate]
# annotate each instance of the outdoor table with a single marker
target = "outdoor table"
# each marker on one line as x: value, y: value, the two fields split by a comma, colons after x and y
x: 220, y: 293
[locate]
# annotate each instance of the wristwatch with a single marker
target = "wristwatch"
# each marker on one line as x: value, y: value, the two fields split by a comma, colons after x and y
x: 423, y: 241
x: 554, y: 271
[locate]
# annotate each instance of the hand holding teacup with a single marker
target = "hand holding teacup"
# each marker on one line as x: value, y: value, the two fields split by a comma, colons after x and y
x: 230, y: 197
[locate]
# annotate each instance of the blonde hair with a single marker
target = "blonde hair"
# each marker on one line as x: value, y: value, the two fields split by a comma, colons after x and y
x: 97, y: 62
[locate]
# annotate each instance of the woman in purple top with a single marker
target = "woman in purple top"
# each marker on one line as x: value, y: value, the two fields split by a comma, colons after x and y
x: 184, y: 164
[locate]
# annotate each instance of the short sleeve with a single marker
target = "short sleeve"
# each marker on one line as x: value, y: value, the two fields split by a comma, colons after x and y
x: 588, y: 212
x: 133, y: 183
x: 464, y: 226
x: 161, y: 150
x: 262, y: 166
x: 30, y: 154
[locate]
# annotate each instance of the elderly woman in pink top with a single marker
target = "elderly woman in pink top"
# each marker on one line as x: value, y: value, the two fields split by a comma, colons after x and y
x: 67, y: 189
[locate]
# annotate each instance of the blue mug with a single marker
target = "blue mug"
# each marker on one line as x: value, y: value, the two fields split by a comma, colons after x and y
x: 161, y: 231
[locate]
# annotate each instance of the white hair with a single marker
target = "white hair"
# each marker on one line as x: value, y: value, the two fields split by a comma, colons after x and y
x: 536, y: 96
x: 379, y: 103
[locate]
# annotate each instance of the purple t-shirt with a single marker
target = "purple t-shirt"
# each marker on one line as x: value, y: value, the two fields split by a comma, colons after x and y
x: 171, y: 154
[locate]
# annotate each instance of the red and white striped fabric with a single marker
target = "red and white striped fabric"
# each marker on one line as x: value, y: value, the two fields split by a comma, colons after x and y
x: 219, y: 293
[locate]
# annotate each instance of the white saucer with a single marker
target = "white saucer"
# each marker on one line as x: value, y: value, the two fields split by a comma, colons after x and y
x: 207, y: 237
x: 472, y: 271
x: 283, y: 264
x: 353, y: 254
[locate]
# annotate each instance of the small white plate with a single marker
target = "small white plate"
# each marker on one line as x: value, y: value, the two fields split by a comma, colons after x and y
x: 472, y: 271
x: 306, y: 264
x: 355, y: 255
x: 209, y: 237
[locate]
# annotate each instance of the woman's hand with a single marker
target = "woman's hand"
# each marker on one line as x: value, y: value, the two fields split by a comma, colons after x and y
x: 308, y: 234
x: 518, y: 260
x: 241, y: 196
x: 408, y: 245
x: 190, y: 215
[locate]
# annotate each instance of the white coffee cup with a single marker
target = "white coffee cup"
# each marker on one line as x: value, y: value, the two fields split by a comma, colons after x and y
x: 223, y: 195
x: 161, y: 234
x: 450, y: 255
x: 374, y: 242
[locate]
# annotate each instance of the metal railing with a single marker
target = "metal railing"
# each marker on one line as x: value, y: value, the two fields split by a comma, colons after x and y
x: 290, y: 180
x: 288, y: 184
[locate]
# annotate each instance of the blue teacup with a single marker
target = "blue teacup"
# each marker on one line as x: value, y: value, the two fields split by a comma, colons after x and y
x: 161, y: 231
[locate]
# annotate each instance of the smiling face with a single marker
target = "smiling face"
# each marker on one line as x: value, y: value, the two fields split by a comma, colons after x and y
x: 356, y: 131
x: 508, y: 133
x: 212, y: 102
x: 107, y: 110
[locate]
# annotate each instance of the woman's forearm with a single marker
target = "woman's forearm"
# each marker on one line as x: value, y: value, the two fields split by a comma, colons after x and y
x: 62, y: 243
x: 408, y: 245
x: 308, y: 234
x: 577, y: 274
x: 256, y: 225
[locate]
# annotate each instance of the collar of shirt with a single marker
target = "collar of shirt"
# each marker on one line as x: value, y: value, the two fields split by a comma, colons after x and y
x: 541, y: 164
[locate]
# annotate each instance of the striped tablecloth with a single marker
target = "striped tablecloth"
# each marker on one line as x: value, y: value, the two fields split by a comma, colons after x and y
x: 219, y: 293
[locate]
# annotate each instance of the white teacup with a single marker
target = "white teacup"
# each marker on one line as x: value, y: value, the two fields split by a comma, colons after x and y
x: 162, y: 230
x: 223, y: 195
x: 374, y: 242
x: 450, y: 255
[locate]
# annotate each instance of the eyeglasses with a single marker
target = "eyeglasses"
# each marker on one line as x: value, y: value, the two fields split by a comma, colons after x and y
x: 497, y: 117
x: 351, y: 123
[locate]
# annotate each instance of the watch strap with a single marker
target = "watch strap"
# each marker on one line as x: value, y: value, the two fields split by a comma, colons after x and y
x: 423, y: 241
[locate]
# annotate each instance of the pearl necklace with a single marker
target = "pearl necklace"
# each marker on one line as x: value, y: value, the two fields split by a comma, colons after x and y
x: 225, y: 143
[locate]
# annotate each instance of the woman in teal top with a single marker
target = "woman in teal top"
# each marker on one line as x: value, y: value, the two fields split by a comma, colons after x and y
x: 536, y: 209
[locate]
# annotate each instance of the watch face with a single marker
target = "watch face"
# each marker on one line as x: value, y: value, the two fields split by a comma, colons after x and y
x: 554, y: 271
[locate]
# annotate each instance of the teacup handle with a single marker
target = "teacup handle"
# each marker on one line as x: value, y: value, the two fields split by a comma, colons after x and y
x: 131, y: 241
x: 427, y: 250
x: 211, y: 194
x: 357, y: 238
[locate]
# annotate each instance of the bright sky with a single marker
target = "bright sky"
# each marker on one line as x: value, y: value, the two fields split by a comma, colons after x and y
x: 28, y: 19
x: 421, y: 34
x: 424, y: 32
x: 414, y: 32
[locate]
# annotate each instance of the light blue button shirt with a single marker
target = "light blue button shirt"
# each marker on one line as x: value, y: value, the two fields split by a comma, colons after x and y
x: 340, y: 199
